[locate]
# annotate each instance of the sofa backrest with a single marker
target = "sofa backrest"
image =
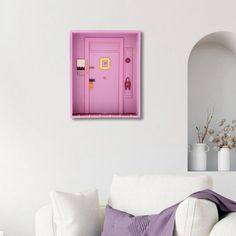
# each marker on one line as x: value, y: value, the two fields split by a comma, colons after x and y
x: 150, y: 194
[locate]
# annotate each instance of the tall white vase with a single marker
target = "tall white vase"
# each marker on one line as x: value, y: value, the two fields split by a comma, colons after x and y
x: 198, y: 157
x: 224, y: 159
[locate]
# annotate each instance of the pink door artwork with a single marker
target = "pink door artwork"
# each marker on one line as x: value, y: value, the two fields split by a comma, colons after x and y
x: 104, y: 75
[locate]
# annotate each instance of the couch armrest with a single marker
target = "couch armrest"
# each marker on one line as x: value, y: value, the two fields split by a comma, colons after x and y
x: 195, y: 217
x: 226, y: 226
x: 44, y: 225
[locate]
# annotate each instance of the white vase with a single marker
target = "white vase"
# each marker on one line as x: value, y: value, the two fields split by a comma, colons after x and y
x: 224, y: 159
x: 198, y: 157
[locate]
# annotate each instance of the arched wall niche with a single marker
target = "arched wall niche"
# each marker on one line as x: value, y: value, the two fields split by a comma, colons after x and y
x: 212, y: 84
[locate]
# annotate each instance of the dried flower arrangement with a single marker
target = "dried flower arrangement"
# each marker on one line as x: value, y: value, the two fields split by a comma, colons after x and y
x: 225, y: 136
x: 202, y: 133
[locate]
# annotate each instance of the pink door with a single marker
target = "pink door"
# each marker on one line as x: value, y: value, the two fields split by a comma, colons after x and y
x: 103, y: 76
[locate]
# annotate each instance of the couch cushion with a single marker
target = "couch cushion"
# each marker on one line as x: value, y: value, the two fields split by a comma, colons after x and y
x: 44, y: 224
x: 150, y: 194
x: 76, y: 214
x: 226, y: 226
x: 191, y: 218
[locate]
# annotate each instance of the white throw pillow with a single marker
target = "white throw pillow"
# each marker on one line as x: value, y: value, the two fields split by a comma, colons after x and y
x: 76, y: 214
x: 195, y: 217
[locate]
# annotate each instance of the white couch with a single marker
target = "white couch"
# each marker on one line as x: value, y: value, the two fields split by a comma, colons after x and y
x: 141, y: 195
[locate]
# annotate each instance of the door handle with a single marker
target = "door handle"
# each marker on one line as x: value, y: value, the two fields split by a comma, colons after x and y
x: 91, y: 80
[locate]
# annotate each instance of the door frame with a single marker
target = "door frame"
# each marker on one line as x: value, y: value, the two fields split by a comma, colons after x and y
x: 87, y: 48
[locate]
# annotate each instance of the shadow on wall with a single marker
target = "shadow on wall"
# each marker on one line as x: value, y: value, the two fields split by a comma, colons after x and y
x: 212, y: 84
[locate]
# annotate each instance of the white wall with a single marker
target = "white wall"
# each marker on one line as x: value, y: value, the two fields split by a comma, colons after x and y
x: 42, y: 148
x: 211, y: 84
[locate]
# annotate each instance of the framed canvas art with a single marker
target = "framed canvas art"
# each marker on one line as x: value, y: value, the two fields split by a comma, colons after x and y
x: 105, y: 74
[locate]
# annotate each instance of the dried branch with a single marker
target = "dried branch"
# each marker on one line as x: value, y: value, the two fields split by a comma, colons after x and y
x: 202, y: 134
x: 208, y: 122
x: 198, y: 133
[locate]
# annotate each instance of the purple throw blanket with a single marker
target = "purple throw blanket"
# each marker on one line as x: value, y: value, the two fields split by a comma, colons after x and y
x: 118, y: 223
